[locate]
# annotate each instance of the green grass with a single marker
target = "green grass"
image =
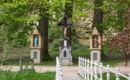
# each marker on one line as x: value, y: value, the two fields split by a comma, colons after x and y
x: 26, y: 75
x: 112, y: 77
x: 46, y: 63
x: 111, y: 62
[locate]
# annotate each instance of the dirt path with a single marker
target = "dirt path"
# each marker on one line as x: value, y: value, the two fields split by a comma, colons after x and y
x: 69, y: 72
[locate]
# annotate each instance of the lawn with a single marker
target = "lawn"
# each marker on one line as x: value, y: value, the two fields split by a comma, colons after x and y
x: 112, y: 77
x: 26, y: 75
x: 112, y: 62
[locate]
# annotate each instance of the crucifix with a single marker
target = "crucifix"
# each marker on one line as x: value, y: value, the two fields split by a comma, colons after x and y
x: 65, y: 23
x: 65, y: 50
x: 65, y: 32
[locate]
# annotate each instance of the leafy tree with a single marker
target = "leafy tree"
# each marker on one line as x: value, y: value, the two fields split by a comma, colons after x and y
x: 19, y: 15
x: 121, y: 43
x: 23, y: 15
x: 98, y: 20
x: 115, y: 14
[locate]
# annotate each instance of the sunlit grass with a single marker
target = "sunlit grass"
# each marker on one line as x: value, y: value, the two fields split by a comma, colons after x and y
x: 26, y: 75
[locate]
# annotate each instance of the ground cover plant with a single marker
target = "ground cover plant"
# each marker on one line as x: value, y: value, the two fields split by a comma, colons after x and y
x: 26, y: 75
x: 112, y: 77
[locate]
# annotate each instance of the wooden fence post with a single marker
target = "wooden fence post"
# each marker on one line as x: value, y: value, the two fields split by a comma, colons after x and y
x: 91, y: 63
x: 61, y: 76
x: 95, y: 70
x: 88, y: 69
x: 82, y: 67
x: 117, y: 75
x: 79, y: 65
x: 128, y: 76
x: 85, y: 75
x: 32, y: 64
x: 101, y: 71
x: 108, y: 72
x: 21, y: 64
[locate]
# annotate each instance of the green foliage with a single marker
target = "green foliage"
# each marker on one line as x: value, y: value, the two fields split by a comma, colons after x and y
x: 112, y: 76
x: 26, y: 75
x: 115, y: 16
x: 112, y: 62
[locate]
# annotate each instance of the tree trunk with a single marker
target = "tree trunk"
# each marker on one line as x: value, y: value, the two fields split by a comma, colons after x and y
x: 68, y: 13
x: 97, y: 21
x: 126, y: 59
x: 43, y: 29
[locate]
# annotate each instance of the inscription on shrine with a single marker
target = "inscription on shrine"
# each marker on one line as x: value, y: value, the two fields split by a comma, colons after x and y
x: 94, y: 56
x: 35, y: 55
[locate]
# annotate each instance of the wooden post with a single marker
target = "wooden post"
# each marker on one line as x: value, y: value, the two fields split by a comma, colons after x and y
x: 61, y: 76
x: 88, y: 69
x: 101, y: 71
x: 91, y: 70
x: 82, y: 68
x: 108, y: 72
x: 128, y: 76
x: 85, y: 69
x: 21, y: 64
x: 95, y: 70
x: 79, y: 65
x: 32, y: 64
x: 117, y: 75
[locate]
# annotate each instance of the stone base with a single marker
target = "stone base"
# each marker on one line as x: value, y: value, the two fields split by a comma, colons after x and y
x: 65, y: 61
x: 36, y: 55
x: 65, y: 56
x: 96, y: 55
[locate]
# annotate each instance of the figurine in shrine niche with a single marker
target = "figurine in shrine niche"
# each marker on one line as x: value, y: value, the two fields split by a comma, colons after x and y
x: 36, y: 40
x: 95, y: 41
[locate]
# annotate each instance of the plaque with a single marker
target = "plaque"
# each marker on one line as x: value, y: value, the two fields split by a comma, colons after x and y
x: 35, y: 55
x: 94, y: 56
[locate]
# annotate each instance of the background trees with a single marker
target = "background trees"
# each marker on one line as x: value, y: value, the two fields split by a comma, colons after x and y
x: 121, y: 43
x: 98, y: 20
x: 19, y: 17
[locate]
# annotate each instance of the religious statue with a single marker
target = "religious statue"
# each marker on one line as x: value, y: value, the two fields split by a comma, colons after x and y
x: 65, y: 32
x: 35, y: 40
x: 65, y: 23
x: 65, y: 50
x: 95, y: 41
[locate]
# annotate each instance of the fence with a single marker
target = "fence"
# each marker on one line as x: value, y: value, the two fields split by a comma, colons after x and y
x: 26, y: 60
x: 91, y: 70
x: 59, y: 74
